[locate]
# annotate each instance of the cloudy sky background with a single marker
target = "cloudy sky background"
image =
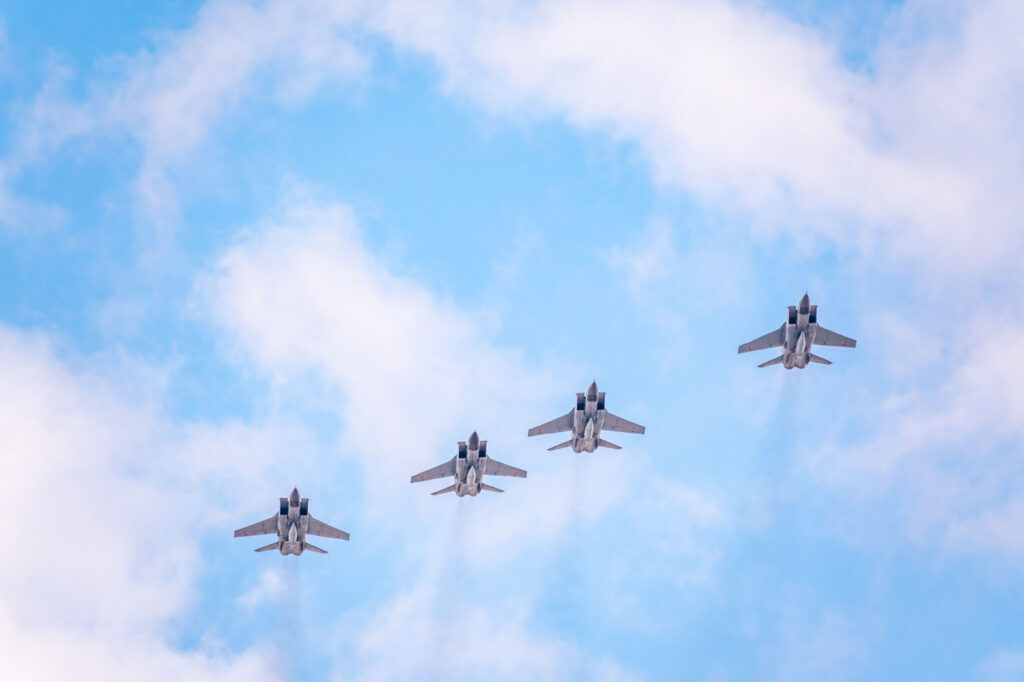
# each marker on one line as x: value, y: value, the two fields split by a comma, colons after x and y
x: 250, y: 246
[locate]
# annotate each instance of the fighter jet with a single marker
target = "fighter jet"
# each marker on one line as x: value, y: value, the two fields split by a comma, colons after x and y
x: 468, y: 467
x: 586, y: 421
x: 797, y: 336
x: 292, y: 524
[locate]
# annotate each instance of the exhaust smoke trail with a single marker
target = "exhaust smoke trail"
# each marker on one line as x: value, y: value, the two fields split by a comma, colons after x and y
x: 788, y: 416
x: 566, y: 582
x: 290, y: 635
x: 448, y: 600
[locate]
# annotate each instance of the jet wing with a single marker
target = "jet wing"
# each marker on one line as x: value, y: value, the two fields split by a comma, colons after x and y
x: 613, y: 423
x: 496, y: 468
x: 325, y: 531
x: 824, y: 337
x: 262, y: 528
x: 440, y: 471
x: 563, y: 423
x: 770, y: 340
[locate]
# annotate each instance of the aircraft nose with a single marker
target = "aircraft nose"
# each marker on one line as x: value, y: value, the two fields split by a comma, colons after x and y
x: 592, y: 391
x: 474, y: 441
x: 293, y: 499
x: 805, y: 303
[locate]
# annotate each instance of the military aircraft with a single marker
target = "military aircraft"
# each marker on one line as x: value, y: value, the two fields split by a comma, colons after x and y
x: 586, y: 421
x: 468, y: 467
x: 797, y: 336
x: 292, y: 524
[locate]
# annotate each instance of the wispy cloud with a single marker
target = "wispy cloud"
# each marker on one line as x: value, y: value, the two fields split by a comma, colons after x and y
x: 116, y: 500
x: 169, y: 99
x: 753, y: 112
x: 943, y: 453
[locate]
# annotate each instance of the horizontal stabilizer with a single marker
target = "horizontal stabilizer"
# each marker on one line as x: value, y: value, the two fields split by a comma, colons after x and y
x: 449, y: 489
x: 605, y: 444
x: 561, y: 445
x: 774, y: 361
x: 821, y: 361
x: 314, y: 548
x: 484, y: 486
x: 272, y: 545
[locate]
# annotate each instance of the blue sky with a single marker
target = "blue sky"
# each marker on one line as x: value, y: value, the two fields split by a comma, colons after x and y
x: 251, y: 246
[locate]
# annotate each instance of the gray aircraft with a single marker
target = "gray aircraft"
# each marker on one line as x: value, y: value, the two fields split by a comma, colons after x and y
x: 468, y: 467
x: 586, y: 421
x: 292, y: 524
x: 797, y: 336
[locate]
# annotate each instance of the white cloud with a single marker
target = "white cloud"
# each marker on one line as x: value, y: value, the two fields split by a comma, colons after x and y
x: 447, y: 636
x: 272, y: 586
x: 418, y: 374
x: 825, y: 645
x: 731, y: 101
x: 24, y: 215
x: 170, y: 99
x: 943, y: 452
x: 109, y: 505
x: 1002, y: 665
x: 752, y: 111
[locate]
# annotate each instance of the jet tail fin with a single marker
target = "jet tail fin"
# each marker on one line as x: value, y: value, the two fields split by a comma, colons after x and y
x: 605, y: 444
x: 560, y: 446
x: 449, y: 489
x: 774, y: 361
x: 314, y: 548
x: 484, y: 486
x: 272, y: 545
x: 821, y: 361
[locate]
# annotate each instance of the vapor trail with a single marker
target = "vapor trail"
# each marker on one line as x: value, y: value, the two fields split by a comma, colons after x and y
x: 447, y: 598
x: 566, y: 576
x: 290, y: 635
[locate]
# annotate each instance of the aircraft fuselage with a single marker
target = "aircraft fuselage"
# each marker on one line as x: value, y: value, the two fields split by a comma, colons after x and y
x: 588, y: 420
x: 801, y: 324
x: 292, y: 524
x: 469, y: 468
